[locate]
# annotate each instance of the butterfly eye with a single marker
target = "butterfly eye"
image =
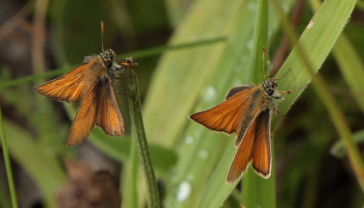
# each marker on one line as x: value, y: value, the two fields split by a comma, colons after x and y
x: 270, y: 92
x: 108, y: 63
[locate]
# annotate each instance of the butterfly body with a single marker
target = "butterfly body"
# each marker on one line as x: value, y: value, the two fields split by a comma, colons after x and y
x: 246, y: 112
x: 90, y: 83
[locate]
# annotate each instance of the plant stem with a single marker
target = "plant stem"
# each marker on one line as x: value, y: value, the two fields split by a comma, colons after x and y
x: 139, y: 133
x: 9, y: 172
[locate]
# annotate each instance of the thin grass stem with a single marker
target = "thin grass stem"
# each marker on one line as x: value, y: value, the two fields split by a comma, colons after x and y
x: 9, y: 171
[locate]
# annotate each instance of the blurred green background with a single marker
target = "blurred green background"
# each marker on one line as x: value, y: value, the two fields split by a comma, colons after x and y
x: 189, y: 54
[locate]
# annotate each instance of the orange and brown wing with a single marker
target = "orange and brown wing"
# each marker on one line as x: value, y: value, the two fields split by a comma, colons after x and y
x: 258, y: 103
x: 73, y: 86
x: 243, y: 156
x: 226, y: 116
x: 109, y: 117
x: 86, y: 117
x: 254, y: 147
x: 98, y: 108
x: 235, y: 90
x: 262, y: 157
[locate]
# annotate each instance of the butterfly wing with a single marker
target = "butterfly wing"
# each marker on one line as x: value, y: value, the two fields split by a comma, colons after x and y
x: 109, y: 118
x: 242, y: 157
x: 262, y: 157
x: 73, y: 86
x: 225, y: 117
x: 255, y: 146
x: 259, y: 102
x: 98, y: 108
x: 236, y: 90
x: 86, y: 117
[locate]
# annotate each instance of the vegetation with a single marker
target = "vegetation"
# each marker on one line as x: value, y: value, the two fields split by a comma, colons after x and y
x: 189, y: 54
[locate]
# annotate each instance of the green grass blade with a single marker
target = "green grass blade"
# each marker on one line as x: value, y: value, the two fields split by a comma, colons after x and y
x: 317, y: 40
x: 256, y: 190
x: 9, y: 171
x: 23, y: 80
x: 260, y: 42
x: 175, y: 69
x: 335, y: 25
x: 349, y: 62
x: 351, y: 68
x: 5, y: 199
x: 137, y: 54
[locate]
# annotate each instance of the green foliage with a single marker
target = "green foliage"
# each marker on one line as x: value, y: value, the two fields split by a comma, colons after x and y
x: 214, y: 47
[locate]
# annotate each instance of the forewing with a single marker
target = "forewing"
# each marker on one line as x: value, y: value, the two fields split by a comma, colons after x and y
x: 236, y: 90
x: 258, y: 103
x: 262, y: 158
x: 225, y: 117
x: 86, y: 117
x: 109, y: 117
x: 242, y: 157
x: 73, y: 86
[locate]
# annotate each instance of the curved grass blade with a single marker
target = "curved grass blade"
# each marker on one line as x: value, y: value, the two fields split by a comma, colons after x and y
x: 9, y: 171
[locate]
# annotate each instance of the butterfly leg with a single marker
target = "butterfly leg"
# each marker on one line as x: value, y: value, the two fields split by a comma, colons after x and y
x: 279, y: 113
x: 123, y: 93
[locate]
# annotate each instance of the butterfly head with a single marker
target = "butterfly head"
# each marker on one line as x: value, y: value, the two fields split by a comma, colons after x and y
x: 109, y: 58
x: 270, y: 86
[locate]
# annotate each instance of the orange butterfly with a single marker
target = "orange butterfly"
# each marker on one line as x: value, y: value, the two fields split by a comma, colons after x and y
x: 90, y: 83
x: 246, y: 112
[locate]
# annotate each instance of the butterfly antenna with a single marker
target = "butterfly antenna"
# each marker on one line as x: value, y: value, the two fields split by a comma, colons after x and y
x: 289, y: 70
x: 102, y: 36
x: 264, y: 54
